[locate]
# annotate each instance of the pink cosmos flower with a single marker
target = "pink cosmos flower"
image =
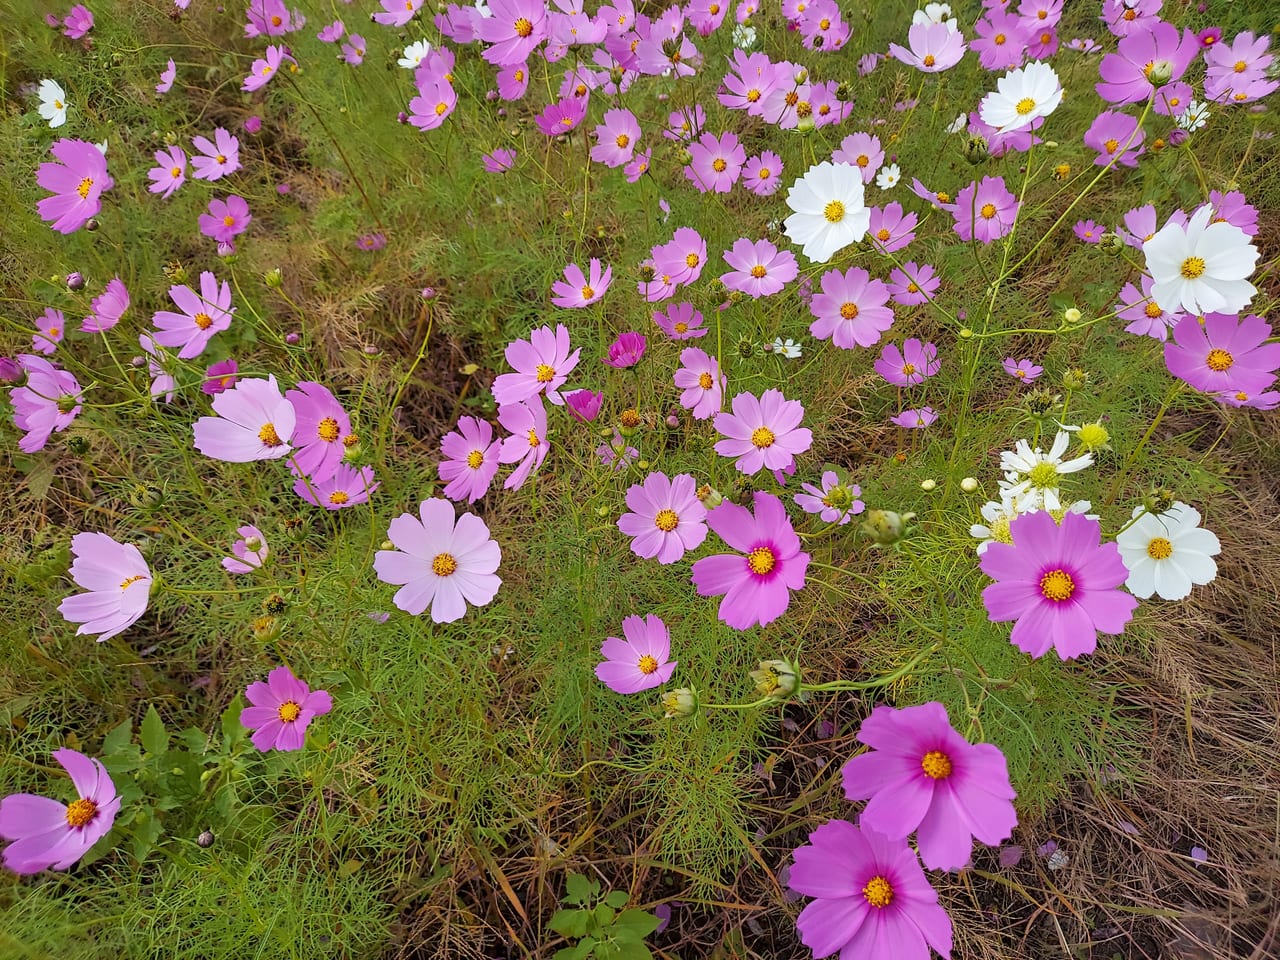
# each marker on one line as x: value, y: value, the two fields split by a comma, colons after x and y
x: 253, y: 420
x: 542, y: 363
x: 683, y: 258
x: 891, y: 229
x: 396, y: 13
x: 1088, y: 231
x: 371, y: 242
x: 577, y: 290
x: 760, y: 269
x: 913, y: 284
x: 583, y: 405
x: 681, y: 321
x: 861, y: 150
x: 219, y: 376
x: 852, y: 309
x: 1140, y: 225
x: 985, y: 211
x: 703, y: 384
x: 162, y: 383
x: 499, y: 161
x: 626, y: 351
x: 271, y: 18
x: 118, y: 582
x: 1001, y: 41
x: 171, y: 172
x: 833, y: 501
x: 616, y: 138
x: 763, y: 432
x: 1125, y: 73
x: 217, y: 158
x: 1117, y: 137
x: 250, y: 551
x: 50, y: 329
x: 822, y: 28
x: 434, y: 103
x: 562, y: 116
x: 77, y: 182
x: 1058, y: 582
x: 107, y: 308
x: 443, y: 565
x: 320, y: 430
x: 281, y: 710
x: 922, y: 775
x: 934, y: 47
x: 332, y: 33
x: 638, y: 166
x: 513, y: 81
x: 915, y: 419
x: 470, y: 459
x: 526, y: 421
x: 1223, y: 353
x: 1123, y: 17
x: 617, y: 454
x: 685, y: 124
x: 1245, y: 56
x: 715, y: 162
x: 757, y: 581
x: 353, y: 50
x: 1145, y: 316
x: 871, y: 897
x: 48, y: 834
x: 167, y: 76
x: 203, y: 315
x: 640, y: 661
x: 666, y: 517
x: 913, y: 363
x: 762, y: 174
x: 514, y: 30
x: 1023, y: 370
x: 1234, y: 209
x: 750, y: 81
x: 347, y: 487
x: 48, y: 401
x: 265, y: 68
x: 226, y: 219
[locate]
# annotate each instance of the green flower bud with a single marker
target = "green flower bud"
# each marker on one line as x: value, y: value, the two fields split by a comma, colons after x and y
x: 1160, y: 500
x: 776, y: 679
x: 680, y: 703
x: 886, y: 527
x: 1111, y: 244
x: 273, y: 278
x: 975, y: 150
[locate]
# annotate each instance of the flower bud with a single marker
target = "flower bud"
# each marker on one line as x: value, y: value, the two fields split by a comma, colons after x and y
x: 969, y: 484
x: 91, y: 224
x: 146, y: 496
x: 929, y: 485
x: 66, y: 403
x: 629, y: 423
x: 275, y: 605
x: 886, y: 527
x: 1178, y: 137
x: 680, y: 703
x: 265, y: 629
x: 1075, y: 379
x: 747, y: 349
x: 966, y: 333
x: 175, y: 272
x: 205, y: 839
x: 801, y: 76
x: 352, y: 448
x: 1111, y: 244
x: 78, y: 445
x: 1071, y: 315
x: 75, y: 280
x: 273, y: 278
x: 975, y: 150
x: 776, y: 679
x: 1159, y: 72
x: 844, y: 92
x: 710, y: 496
x: 1160, y: 500
x: 1040, y: 401
x: 805, y: 126
x: 1093, y: 436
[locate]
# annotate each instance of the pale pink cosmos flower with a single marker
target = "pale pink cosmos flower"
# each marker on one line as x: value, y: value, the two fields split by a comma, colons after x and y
x: 891, y: 229
x: 118, y: 582
x: 203, y: 315
x: 347, y: 487
x: 77, y: 182
x: 353, y: 50
x: 219, y: 376
x: 320, y: 431
x: 514, y: 30
x: 217, y: 158
x: 577, y: 290
x: 48, y: 401
x: 715, y: 162
x: 934, y: 47
x: 616, y: 138
x: 265, y: 68
x: 913, y: 363
x: 913, y: 284
x: 171, y: 172
x: 1023, y: 370
x: 396, y: 13
x: 107, y: 308
x: 682, y: 259
x: 434, y: 103
x: 915, y: 419
x: 680, y: 321
x: 167, y: 76
x: 763, y: 432
x: 666, y: 517
x: 443, y: 565
x: 271, y: 18
x: 985, y: 211
x: 51, y: 326
x: 332, y: 33
x: 834, y: 502
x: 640, y: 661
x: 163, y: 385
x: 250, y: 551
x: 542, y: 363
x: 762, y: 174
x: 526, y: 421
x: 861, y: 150
x: 469, y: 459
x: 852, y: 310
x: 499, y: 161
x: 760, y: 269
x: 253, y: 420
x: 281, y: 709
x: 703, y: 384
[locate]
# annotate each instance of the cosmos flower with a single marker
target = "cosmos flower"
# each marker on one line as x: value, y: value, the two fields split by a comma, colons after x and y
x: 852, y: 309
x: 226, y: 219
x: 1167, y: 553
x: 1223, y: 353
x: 1021, y: 97
x: 217, y: 158
x: 830, y: 212
x: 51, y: 327
x: 626, y: 351
x: 48, y: 401
x: 167, y: 76
x: 715, y: 162
x: 616, y: 138
x: 640, y: 662
x: 253, y: 420
x: 171, y: 172
x: 542, y: 364
x: 577, y: 290
x: 1024, y: 370
x: 1033, y: 477
x: 249, y: 552
x: 666, y: 518
x: 53, y: 103
x: 703, y: 384
x: 265, y: 68
x: 281, y: 709
x: 1201, y: 266
x: 760, y: 269
x: 934, y: 47
x: 680, y: 321
x: 834, y: 502
x: 203, y: 315
x: 913, y: 363
x: 77, y: 182
x: 763, y: 432
x: 320, y: 429
x: 346, y: 487
x: 985, y: 211
x: 107, y: 308
x: 118, y: 582
x: 527, y: 445
x: 469, y: 459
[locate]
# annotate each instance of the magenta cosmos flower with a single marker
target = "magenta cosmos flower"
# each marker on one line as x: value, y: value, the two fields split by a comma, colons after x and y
x: 616, y: 138
x: 48, y: 834
x: 577, y: 290
x: 443, y: 565
x: 627, y: 350
x: 252, y: 423
x: 499, y: 161
x: 680, y: 321
x: 583, y: 405
x: 107, y: 308
x: 542, y: 363
x: 759, y: 268
x: 915, y: 419
x: 756, y: 582
x: 922, y: 775
x: 217, y: 158
x: 219, y: 376
x: 226, y: 219
x: 470, y: 459
x: 640, y: 661
x: 1117, y: 137
x: 872, y: 901
x: 516, y: 27
x: 1126, y: 73
x: 562, y: 116
x: 118, y: 581
x: 526, y: 421
x: 913, y: 363
x: 49, y: 401
x: 281, y: 710
x: 347, y: 487
x: 763, y: 432
x: 77, y: 182
x: 985, y: 211
x: 320, y: 430
x: 1058, y: 582
x: 666, y: 517
x: 852, y: 310
x: 1223, y: 353
x: 171, y: 172
x: 703, y: 384
x: 715, y: 162
x: 203, y: 315
x: 249, y: 552
x: 77, y: 22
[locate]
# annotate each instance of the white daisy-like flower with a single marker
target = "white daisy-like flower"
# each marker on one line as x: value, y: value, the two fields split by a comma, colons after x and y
x: 888, y: 177
x: 934, y: 13
x: 1021, y: 97
x: 959, y: 123
x: 1201, y: 267
x: 744, y: 36
x: 413, y: 54
x: 787, y: 348
x: 1032, y: 477
x: 1194, y: 117
x: 1168, y: 553
x: 997, y: 514
x: 53, y: 102
x: 830, y: 210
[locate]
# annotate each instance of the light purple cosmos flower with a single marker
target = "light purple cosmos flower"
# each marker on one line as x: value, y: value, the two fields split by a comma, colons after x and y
x: 861, y: 150
x: 617, y: 454
x: 763, y: 432
x: 616, y: 138
x: 320, y: 430
x: 562, y: 116
x: 271, y: 18
x: 77, y: 182
x: 443, y: 565
x: 833, y: 501
x: 715, y: 162
x: 332, y: 33
x: 217, y: 158
x: 640, y: 661
x: 434, y: 103
x: 542, y: 363
x: 891, y: 228
x: 683, y: 258
x: 703, y: 384
x: 513, y: 81
x: 1023, y: 370
x: 1001, y: 40
x: 666, y: 517
x: 346, y: 487
x: 638, y: 166
x: 1117, y: 137
x: 577, y: 290
x: 1223, y: 353
x: 118, y: 582
x: 353, y: 50
x: 922, y: 775
x: 254, y: 419
x: 913, y: 363
x: 469, y: 459
x: 915, y: 419
x: 1145, y: 316
x: 1059, y: 582
x: 759, y: 268
x: 163, y: 384
x: 985, y: 211
x: 167, y: 76
x: 762, y: 174
x: 1126, y: 73
x: 203, y: 315
x: 499, y: 161
x: 526, y: 421
x: 913, y: 284
x: 281, y: 710
x: 934, y: 47
x: 757, y: 581
x: 265, y: 68
x: 396, y: 13
x: 626, y: 351
x: 226, y: 219
x: 51, y: 327
x: 514, y: 30
x: 107, y: 308
x: 1088, y: 231
x: 48, y: 401
x: 852, y: 310
x: 249, y: 552
x: 680, y: 321
x: 47, y: 834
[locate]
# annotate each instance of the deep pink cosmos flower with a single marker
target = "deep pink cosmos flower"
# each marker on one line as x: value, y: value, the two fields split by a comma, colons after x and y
x: 226, y: 219
x: 852, y: 309
x: 762, y: 174
x: 443, y: 565
x: 281, y: 710
x: 750, y: 81
x: 48, y: 401
x: 583, y: 405
x: 922, y: 775
x: 640, y: 661
x: 219, y: 376
x: 265, y: 68
x: 703, y: 384
x: 861, y: 150
x: 822, y: 28
x: 347, y: 487
x: 934, y: 47
x: 499, y: 161
x: 891, y: 228
x: 542, y: 363
x: 107, y: 308
x: 320, y: 430
x: 763, y: 432
x: 118, y: 582
x: 1117, y: 137
x: 171, y: 172
x: 48, y: 834
x: 1023, y: 370
x: 1223, y: 353
x: 253, y: 423
x: 1058, y: 582
x: 666, y: 517
x: 469, y: 459
x: 756, y: 582
x: 514, y: 30
x: 77, y: 182
x: 985, y: 211
x: 562, y: 116
x: 249, y: 552
x: 680, y: 321
x: 51, y: 327
x: 616, y: 138
x: 626, y: 351
x: 834, y: 502
x: 759, y: 268
x: 578, y: 290
x: 915, y: 419
x: 77, y: 22
x: 715, y: 162
x: 1126, y: 73
x: 872, y: 900
x: 526, y: 421
x: 217, y: 158
x: 203, y: 315
x: 913, y: 363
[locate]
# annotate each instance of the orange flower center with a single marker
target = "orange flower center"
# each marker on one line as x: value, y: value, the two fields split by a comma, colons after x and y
x: 80, y: 812
x: 704, y: 381
x: 327, y: 430
x: 936, y: 764
x: 878, y: 892
x: 444, y: 565
x: 1219, y: 360
x: 203, y: 320
x: 1057, y: 585
x: 758, y: 271
x: 648, y: 664
x: 1159, y: 549
x: 268, y: 435
x: 339, y: 497
x: 523, y: 27
x: 849, y: 311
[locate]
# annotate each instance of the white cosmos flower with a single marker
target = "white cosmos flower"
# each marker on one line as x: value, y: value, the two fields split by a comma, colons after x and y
x: 830, y: 210
x: 1168, y: 553
x: 413, y: 54
x: 787, y: 348
x: 1201, y: 267
x: 1194, y: 117
x: 1021, y: 97
x: 959, y: 123
x: 53, y: 102
x: 744, y: 36
x: 1032, y: 477
x: 934, y: 13
x: 888, y: 177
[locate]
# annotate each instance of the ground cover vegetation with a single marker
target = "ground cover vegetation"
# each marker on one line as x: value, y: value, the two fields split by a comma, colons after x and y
x: 720, y: 480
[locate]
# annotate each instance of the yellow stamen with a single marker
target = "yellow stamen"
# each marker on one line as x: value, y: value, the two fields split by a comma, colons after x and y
x: 1057, y: 585
x: 1219, y: 360
x: 85, y: 186
x: 878, y: 892
x: 833, y: 211
x: 339, y: 497
x: 849, y: 311
x: 648, y: 664
x: 1159, y: 549
x: 80, y: 812
x: 762, y: 437
x: 666, y: 520
x: 546, y: 373
x: 936, y: 764
x: 1025, y: 106
x: 268, y: 435
x: 443, y: 565
x: 761, y: 560
x: 288, y: 711
x: 1192, y: 268
x: 475, y: 459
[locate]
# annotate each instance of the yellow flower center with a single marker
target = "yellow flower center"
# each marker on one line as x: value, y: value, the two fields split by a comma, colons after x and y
x: 588, y: 293
x: 705, y: 381
x: 221, y: 158
x: 862, y: 160
x: 849, y: 311
x: 833, y: 211
x: 203, y: 320
x: 1159, y: 549
x: 758, y: 271
x: 327, y: 430
x: 719, y: 165
x: 988, y: 211
x: 1219, y: 360
x: 339, y: 497
x: 792, y: 98
x: 475, y: 459
x: 444, y: 565
x: 547, y: 373
x: 691, y: 260
x: 681, y: 327
x: 1240, y: 66
x: 824, y: 23
x: 883, y: 235
x: 1000, y: 530
x: 648, y: 664
x: 1192, y: 267
x: 761, y: 560
x: 929, y: 60
x: 622, y: 140
x: 175, y: 172
x: 1025, y: 106
x: 523, y: 27
x: 753, y: 95
x: 878, y: 892
x: 908, y: 369
x: 1043, y: 476
x: 80, y: 812
x: 519, y: 76
x: 1057, y: 585
x: 762, y: 437
x: 266, y: 69
x: 1112, y: 145
x: 288, y: 711
x: 441, y: 109
x: 765, y: 173
x: 936, y: 764
x: 1152, y: 310
x: 126, y: 583
x: 85, y: 186
x: 533, y: 439
x: 268, y: 435
x: 666, y: 520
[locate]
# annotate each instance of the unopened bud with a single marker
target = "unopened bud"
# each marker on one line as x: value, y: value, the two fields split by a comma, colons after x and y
x: 710, y: 496
x: 273, y: 278
x: 1159, y: 73
x: 776, y: 679
x: 146, y: 496
x: 1160, y: 500
x: 975, y: 150
x: 928, y: 485
x: 969, y: 484
x: 1111, y: 244
x: 680, y: 703
x: 205, y: 839
x: 75, y: 280
x: 886, y: 527
x: 1071, y: 315
x: 1075, y: 379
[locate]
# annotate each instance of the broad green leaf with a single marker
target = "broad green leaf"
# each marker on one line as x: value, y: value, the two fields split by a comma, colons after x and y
x: 155, y: 739
x: 118, y: 739
x: 617, y: 899
x: 570, y: 923
x: 642, y: 922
